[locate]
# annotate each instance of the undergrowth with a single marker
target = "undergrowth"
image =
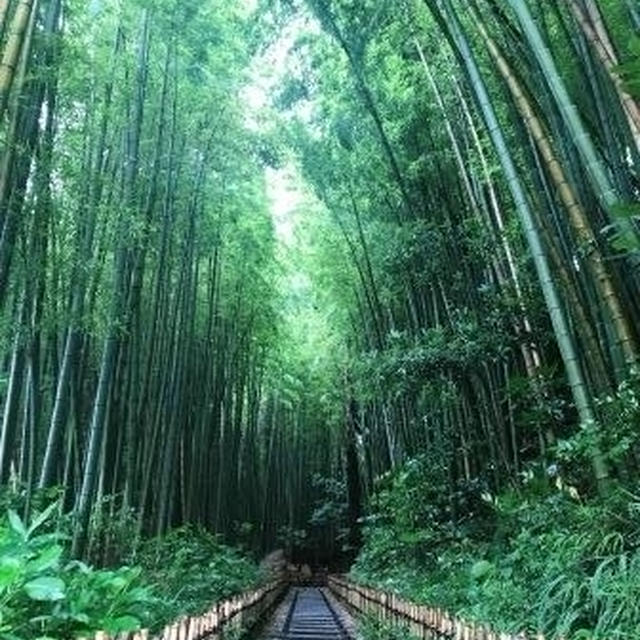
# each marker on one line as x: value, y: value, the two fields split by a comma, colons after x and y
x: 190, y: 569
x: 539, y: 559
x: 372, y: 628
x: 46, y: 596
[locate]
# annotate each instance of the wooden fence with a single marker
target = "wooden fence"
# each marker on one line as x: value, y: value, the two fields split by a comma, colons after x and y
x: 424, y: 622
x: 241, y: 611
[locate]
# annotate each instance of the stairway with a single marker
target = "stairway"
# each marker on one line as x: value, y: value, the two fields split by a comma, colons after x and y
x: 311, y: 616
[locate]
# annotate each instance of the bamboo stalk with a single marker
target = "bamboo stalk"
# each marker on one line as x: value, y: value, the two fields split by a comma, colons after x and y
x: 577, y: 215
x: 13, y: 48
x: 596, y: 35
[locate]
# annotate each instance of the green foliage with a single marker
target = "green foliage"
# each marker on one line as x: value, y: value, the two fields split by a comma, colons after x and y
x: 371, y: 628
x: 433, y: 353
x: 617, y: 435
x: 113, y: 531
x: 292, y: 539
x: 413, y: 516
x: 191, y: 569
x: 332, y: 507
x: 13, y: 497
x: 328, y: 523
x: 541, y: 560
x: 44, y: 596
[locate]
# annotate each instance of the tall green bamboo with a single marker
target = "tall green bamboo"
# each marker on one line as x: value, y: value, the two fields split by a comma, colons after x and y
x: 593, y: 165
x: 581, y: 394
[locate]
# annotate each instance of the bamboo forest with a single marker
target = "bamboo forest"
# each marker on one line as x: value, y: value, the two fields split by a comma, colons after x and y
x: 331, y: 306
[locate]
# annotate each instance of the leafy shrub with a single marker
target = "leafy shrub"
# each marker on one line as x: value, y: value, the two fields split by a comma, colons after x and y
x: 618, y: 441
x: 371, y: 628
x: 42, y: 596
x: 413, y: 515
x: 113, y: 532
x: 548, y: 562
x: 191, y: 569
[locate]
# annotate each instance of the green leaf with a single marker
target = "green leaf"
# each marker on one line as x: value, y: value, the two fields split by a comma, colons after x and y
x: 626, y: 210
x: 81, y: 617
x: 16, y: 523
x: 45, y: 589
x: 47, y: 559
x: 481, y: 569
x: 9, y: 571
x: 123, y: 623
x: 42, y: 517
x: 79, y: 565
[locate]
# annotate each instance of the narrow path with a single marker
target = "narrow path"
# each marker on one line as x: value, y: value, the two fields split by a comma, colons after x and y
x: 310, y: 613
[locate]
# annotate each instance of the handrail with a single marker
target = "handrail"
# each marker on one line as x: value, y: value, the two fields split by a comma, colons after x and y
x: 244, y: 609
x: 422, y: 621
